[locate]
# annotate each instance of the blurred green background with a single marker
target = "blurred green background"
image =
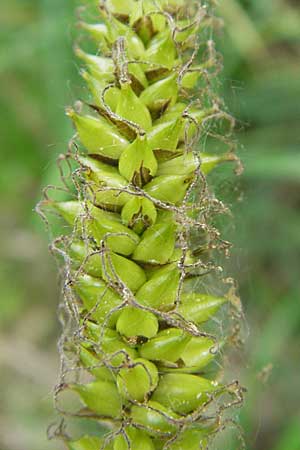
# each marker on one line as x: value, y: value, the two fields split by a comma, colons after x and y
x: 261, y: 80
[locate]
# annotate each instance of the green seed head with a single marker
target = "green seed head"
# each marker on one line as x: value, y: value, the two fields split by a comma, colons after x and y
x: 141, y: 286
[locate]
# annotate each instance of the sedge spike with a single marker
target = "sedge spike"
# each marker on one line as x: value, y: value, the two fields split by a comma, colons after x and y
x: 142, y: 349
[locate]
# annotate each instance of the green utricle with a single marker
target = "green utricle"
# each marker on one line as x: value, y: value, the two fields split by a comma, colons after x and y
x: 144, y: 341
x: 88, y: 443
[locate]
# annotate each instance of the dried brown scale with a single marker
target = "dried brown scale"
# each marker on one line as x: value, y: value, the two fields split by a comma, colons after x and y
x: 182, y: 410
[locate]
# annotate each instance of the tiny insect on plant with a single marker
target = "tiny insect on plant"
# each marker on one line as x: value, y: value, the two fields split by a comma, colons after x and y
x: 142, y: 288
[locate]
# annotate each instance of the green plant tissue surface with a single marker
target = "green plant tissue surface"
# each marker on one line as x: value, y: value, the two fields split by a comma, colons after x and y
x: 260, y: 82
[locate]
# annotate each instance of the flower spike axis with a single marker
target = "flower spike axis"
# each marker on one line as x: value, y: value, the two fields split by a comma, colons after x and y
x: 141, y: 285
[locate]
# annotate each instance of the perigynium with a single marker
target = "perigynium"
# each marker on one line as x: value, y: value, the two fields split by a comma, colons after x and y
x: 143, y: 288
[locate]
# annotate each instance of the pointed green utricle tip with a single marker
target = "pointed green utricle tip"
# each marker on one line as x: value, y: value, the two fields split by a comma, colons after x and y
x: 99, y: 225
x: 98, y: 136
x: 130, y: 107
x: 168, y: 345
x: 119, y: 7
x: 191, y: 439
x: 182, y: 165
x: 145, y: 21
x: 101, y: 95
x: 200, y: 307
x: 98, y: 32
x: 138, y: 214
x: 138, y: 380
x: 161, y: 94
x: 111, y: 346
x: 161, y: 289
x: 166, y: 135
x: 133, y: 438
x: 183, y: 393
x: 155, y: 417
x: 162, y: 50
x: 157, y: 244
x: 197, y: 354
x: 100, y: 397
x: 209, y: 162
x: 137, y: 162
x: 101, y: 66
x: 97, y: 298
x: 169, y: 188
x: 87, y: 443
x: 134, y: 322
x: 69, y: 210
x: 94, y: 365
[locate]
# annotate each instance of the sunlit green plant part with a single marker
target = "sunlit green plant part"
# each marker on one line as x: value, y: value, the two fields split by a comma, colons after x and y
x: 142, y: 286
